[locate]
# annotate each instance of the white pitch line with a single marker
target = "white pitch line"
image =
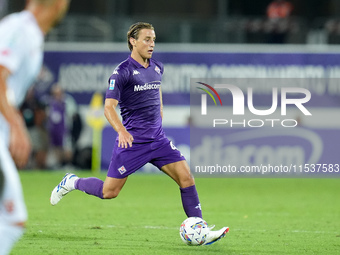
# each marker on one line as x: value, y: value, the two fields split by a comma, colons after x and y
x: 177, y: 228
x: 147, y: 227
x: 289, y: 231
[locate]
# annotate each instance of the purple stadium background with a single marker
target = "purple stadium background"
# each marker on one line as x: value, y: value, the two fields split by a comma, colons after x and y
x: 57, y: 64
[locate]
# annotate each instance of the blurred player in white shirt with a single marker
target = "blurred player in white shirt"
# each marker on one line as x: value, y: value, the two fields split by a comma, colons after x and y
x: 21, y: 54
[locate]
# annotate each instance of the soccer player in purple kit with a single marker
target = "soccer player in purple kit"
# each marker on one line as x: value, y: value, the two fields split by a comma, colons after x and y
x: 136, y: 86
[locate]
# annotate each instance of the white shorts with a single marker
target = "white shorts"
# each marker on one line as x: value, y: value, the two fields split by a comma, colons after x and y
x: 12, y: 205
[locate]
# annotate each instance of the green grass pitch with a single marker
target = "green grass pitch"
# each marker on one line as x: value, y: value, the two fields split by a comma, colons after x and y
x: 265, y: 216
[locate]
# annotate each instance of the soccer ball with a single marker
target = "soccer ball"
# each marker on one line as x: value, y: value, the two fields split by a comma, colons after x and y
x: 193, y: 231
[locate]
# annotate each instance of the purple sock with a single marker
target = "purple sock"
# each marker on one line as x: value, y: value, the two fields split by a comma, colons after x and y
x: 92, y: 186
x: 190, y: 201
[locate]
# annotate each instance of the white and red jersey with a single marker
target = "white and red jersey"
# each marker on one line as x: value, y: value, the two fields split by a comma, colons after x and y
x: 21, y: 52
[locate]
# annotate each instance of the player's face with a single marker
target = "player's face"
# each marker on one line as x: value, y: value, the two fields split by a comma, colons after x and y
x: 145, y: 43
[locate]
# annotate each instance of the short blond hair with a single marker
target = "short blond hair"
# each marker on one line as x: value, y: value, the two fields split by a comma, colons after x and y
x: 134, y: 31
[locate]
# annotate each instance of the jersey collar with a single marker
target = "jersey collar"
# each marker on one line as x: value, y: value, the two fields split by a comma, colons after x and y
x: 138, y: 65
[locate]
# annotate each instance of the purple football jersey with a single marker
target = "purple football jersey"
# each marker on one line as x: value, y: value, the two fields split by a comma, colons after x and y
x: 137, y: 90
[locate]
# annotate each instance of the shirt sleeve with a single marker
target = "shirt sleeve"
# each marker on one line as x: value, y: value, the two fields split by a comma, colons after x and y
x: 116, y: 84
x: 12, y: 50
x: 162, y: 68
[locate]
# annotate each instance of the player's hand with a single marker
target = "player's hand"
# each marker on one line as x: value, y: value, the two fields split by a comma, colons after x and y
x: 125, y: 139
x: 19, y: 144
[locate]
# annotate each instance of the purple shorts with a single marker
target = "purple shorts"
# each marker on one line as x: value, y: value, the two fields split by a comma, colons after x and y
x: 127, y: 161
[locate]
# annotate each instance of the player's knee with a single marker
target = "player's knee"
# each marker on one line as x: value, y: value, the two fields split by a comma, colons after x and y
x: 186, y: 181
x: 111, y: 194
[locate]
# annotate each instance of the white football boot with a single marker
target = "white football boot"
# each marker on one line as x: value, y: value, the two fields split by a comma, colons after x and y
x: 214, y: 236
x: 65, y: 186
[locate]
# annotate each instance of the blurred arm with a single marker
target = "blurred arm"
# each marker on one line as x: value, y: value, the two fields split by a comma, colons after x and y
x: 19, y: 146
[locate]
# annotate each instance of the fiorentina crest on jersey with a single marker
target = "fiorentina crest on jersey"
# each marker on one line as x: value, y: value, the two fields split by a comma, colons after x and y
x: 157, y: 69
x: 122, y: 169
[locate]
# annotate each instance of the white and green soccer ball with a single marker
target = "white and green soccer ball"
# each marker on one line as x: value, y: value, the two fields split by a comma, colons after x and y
x: 194, y: 231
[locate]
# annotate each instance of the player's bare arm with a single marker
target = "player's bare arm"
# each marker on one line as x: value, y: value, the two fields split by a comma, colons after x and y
x: 125, y: 139
x: 20, y: 145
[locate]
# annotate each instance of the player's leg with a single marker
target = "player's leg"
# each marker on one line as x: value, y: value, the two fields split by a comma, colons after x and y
x: 170, y: 160
x: 108, y: 189
x: 12, y: 207
x: 112, y: 187
x: 173, y: 164
x: 180, y: 172
x: 124, y: 162
x: 91, y: 185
